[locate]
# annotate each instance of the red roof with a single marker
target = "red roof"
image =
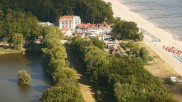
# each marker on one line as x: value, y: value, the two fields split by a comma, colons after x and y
x: 96, y: 26
x: 66, y: 17
x: 103, y: 25
x: 100, y: 34
x: 87, y: 26
x: 69, y: 18
x: 65, y: 29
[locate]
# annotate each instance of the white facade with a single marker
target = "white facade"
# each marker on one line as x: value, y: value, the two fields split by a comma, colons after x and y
x: 104, y: 37
x: 93, y: 28
x: 69, y: 22
x: 66, y: 31
x: 46, y: 24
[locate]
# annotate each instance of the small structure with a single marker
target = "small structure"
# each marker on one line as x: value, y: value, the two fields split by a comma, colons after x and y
x: 66, y: 31
x: 111, y: 45
x: 82, y: 35
x: 46, y: 24
x: 104, y: 37
x: 64, y: 41
x: 173, y: 79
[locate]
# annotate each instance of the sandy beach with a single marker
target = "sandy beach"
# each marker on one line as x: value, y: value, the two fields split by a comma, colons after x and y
x: 166, y: 39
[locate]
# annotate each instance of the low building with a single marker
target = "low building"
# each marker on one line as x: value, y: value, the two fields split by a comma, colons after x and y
x: 104, y: 37
x: 111, y: 45
x: 66, y: 31
x: 82, y: 35
x: 94, y: 28
x: 63, y: 41
x: 46, y: 24
x: 173, y: 79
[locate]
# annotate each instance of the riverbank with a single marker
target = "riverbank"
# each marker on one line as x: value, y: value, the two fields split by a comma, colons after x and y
x: 5, y: 51
x: 166, y: 39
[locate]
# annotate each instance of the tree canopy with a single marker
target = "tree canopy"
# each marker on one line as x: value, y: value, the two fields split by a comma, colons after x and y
x: 62, y: 94
x: 54, y: 62
x: 120, y: 79
x: 91, y: 11
x: 126, y: 30
x: 23, y: 77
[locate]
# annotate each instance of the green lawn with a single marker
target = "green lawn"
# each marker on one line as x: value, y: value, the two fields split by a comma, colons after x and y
x: 8, y: 50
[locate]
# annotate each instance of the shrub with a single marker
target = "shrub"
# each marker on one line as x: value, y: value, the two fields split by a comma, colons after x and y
x: 23, y: 77
x: 62, y: 94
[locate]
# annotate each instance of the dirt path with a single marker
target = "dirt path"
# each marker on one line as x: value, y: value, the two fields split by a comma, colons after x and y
x: 84, y: 84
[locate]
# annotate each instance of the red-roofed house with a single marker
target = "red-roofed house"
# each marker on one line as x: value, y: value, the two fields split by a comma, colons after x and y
x: 93, y: 28
x: 104, y: 28
x: 69, y: 22
x: 66, y: 31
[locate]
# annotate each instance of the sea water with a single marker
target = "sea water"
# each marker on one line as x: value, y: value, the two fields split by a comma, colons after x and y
x: 166, y: 14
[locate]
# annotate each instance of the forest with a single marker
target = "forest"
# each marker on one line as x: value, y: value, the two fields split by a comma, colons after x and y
x: 91, y: 11
x: 126, y: 30
x: 118, y: 78
x: 54, y: 61
x: 19, y: 18
x: 18, y: 23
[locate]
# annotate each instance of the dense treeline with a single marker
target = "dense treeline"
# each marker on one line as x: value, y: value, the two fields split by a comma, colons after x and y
x: 17, y: 28
x: 54, y: 61
x: 119, y: 79
x: 134, y: 50
x: 126, y: 30
x: 17, y: 22
x: 92, y: 11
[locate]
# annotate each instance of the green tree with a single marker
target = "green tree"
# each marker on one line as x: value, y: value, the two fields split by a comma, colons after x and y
x: 54, y: 53
x: 144, y: 55
x: 62, y: 94
x: 23, y: 77
x: 126, y: 30
x: 18, y: 41
x: 65, y: 76
x: 95, y: 11
x: 100, y: 44
x: 122, y: 77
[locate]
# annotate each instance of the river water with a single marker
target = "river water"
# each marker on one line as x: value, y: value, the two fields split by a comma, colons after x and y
x: 166, y: 14
x: 9, y: 90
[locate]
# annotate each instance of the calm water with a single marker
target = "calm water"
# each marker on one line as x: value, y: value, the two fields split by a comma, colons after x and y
x: 166, y: 14
x: 9, y: 90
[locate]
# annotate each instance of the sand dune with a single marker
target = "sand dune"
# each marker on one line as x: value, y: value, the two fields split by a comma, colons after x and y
x: 121, y: 10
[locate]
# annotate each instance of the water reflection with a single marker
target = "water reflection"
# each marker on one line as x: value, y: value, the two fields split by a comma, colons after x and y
x: 9, y: 89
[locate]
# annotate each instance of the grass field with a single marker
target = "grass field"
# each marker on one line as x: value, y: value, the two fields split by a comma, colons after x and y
x: 3, y: 51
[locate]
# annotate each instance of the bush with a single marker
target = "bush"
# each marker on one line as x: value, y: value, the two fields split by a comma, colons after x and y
x: 126, y: 30
x: 99, y: 96
x: 23, y: 77
x: 168, y: 81
x: 65, y: 76
x: 62, y: 94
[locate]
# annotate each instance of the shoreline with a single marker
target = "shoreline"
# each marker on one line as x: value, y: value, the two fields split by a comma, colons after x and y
x: 144, y: 16
x: 166, y: 38
x: 9, y: 51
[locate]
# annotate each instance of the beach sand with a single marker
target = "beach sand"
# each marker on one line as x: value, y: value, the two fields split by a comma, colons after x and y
x: 122, y: 11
